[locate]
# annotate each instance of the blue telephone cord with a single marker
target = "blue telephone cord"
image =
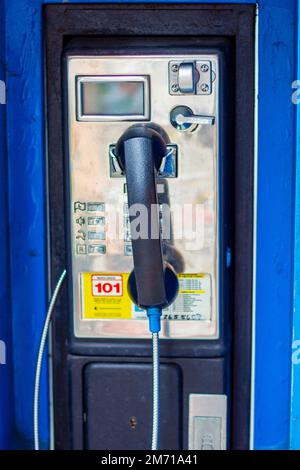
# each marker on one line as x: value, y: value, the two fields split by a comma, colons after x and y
x: 154, y: 315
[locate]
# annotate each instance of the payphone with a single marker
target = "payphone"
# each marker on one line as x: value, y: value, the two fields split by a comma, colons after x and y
x: 148, y: 185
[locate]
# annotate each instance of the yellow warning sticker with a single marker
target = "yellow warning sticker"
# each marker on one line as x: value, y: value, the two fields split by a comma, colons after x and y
x: 104, y: 296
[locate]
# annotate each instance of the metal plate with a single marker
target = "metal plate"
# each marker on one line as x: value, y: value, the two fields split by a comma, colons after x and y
x: 196, y: 184
x: 207, y: 422
x: 204, y: 83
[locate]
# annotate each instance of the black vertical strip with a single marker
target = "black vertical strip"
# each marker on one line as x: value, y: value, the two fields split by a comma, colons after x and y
x: 243, y: 250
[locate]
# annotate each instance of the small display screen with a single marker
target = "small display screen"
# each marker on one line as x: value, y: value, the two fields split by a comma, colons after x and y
x: 113, y: 98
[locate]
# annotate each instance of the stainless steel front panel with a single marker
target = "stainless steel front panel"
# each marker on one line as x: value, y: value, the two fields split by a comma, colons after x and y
x: 96, y: 196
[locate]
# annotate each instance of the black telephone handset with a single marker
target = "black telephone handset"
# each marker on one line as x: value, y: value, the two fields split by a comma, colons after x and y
x: 140, y: 150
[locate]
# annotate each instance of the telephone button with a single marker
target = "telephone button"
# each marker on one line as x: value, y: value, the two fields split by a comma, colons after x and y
x: 96, y: 235
x: 127, y: 236
x: 96, y: 220
x: 96, y: 249
x: 128, y: 250
x: 95, y: 207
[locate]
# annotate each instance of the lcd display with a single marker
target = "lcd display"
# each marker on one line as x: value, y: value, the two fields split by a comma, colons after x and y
x: 113, y: 98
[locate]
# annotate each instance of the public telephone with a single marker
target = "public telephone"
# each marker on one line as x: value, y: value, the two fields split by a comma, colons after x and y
x: 150, y: 150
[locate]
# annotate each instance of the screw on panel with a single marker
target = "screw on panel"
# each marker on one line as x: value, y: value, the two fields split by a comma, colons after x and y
x: 175, y: 68
x: 133, y: 422
x: 204, y: 68
x: 204, y: 87
x: 175, y: 87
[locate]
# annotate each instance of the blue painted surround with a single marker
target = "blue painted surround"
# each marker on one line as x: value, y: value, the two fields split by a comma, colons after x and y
x: 23, y: 293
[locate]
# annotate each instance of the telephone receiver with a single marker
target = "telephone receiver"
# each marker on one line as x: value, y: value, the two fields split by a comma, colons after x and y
x: 140, y: 150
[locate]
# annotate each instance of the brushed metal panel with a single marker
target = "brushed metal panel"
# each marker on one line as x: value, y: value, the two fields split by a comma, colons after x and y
x: 196, y: 184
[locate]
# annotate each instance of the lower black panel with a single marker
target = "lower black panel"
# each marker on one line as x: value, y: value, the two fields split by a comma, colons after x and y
x: 111, y: 400
x: 118, y: 405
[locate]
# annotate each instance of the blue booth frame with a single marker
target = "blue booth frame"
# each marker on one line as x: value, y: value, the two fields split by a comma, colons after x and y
x: 23, y: 241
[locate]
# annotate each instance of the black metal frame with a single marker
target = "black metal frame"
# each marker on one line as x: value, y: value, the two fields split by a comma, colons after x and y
x: 205, y: 24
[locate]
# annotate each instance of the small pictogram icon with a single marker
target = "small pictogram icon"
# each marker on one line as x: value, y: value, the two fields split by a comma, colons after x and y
x: 80, y: 221
x: 79, y: 206
x: 81, y: 235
